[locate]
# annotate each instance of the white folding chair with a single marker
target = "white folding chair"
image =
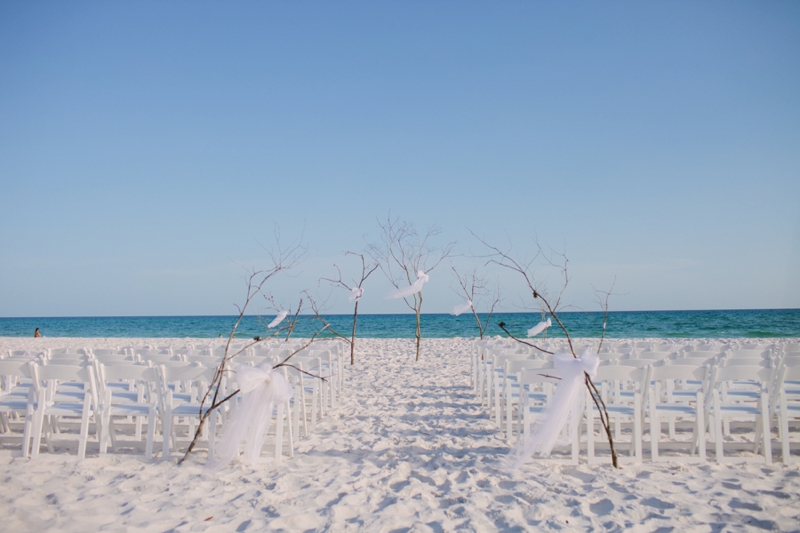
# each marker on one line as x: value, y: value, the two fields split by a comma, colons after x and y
x: 662, y: 405
x: 737, y: 407
x: 621, y: 389
x: 138, y: 402
x: 532, y: 407
x: 185, y: 405
x: 511, y: 393
x: 789, y: 415
x: 63, y: 408
x: 16, y: 401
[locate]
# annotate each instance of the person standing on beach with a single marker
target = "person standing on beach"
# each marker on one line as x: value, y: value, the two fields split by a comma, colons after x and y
x: 37, y: 333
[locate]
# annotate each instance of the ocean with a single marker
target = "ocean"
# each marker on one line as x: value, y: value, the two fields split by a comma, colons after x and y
x: 621, y: 324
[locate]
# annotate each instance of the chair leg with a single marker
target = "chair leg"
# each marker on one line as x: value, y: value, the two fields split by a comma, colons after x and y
x: 637, y: 428
x: 87, y: 410
x: 655, y: 428
x: 279, y: 432
x: 38, y: 423
x: 589, y: 430
x: 718, y: 429
x: 212, y: 434
x: 765, y: 428
x: 508, y: 418
x: 151, y: 432
x: 104, y: 432
x: 784, y: 421
x: 291, y: 433
x: 701, y: 427
x: 166, y: 431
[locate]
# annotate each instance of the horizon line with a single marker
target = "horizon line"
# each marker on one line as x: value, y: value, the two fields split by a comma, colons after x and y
x: 412, y: 314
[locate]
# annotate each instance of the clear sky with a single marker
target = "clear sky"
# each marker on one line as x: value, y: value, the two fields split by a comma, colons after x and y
x: 147, y: 148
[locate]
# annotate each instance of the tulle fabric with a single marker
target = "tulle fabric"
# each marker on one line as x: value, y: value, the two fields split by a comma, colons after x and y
x: 261, y: 388
x: 565, y: 406
x: 414, y: 288
x: 457, y: 310
x: 277, y: 320
x: 355, y: 294
x: 540, y: 327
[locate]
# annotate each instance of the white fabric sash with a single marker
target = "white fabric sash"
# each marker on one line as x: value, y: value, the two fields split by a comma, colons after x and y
x: 355, y: 294
x: 457, y: 310
x: 261, y: 388
x: 566, y: 405
x: 540, y: 327
x: 414, y: 288
x: 277, y: 320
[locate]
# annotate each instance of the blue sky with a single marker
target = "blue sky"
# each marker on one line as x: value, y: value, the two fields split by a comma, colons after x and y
x: 147, y: 148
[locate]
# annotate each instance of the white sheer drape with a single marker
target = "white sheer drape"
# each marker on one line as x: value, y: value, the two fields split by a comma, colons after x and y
x: 414, y: 288
x: 355, y: 294
x: 565, y: 406
x: 457, y: 310
x: 540, y: 327
x: 278, y: 319
x: 261, y: 388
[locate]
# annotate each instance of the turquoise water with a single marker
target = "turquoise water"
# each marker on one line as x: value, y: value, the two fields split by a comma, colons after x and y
x: 621, y: 324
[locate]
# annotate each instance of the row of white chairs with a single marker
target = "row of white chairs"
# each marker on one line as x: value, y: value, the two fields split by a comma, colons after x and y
x: 514, y: 382
x: 50, y: 398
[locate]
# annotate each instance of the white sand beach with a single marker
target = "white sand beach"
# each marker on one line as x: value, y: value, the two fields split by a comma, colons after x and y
x: 410, y: 448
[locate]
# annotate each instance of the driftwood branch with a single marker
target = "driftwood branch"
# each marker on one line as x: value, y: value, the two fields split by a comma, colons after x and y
x: 476, y: 289
x: 401, y: 252
x: 366, y: 271
x: 523, y: 268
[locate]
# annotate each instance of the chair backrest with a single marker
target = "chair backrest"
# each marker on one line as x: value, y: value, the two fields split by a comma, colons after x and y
x: 149, y: 376
x: 205, y: 360
x: 537, y: 375
x: 788, y: 373
x: 160, y: 358
x: 127, y: 372
x: 13, y: 369
x: 683, y: 372
x: 107, y: 351
x: 745, y: 361
x: 653, y: 356
x: 743, y: 373
x: 691, y: 361
x: 182, y: 372
x: 66, y: 373
x: 110, y: 359
x: 641, y: 363
x: 512, y: 366
x: 23, y: 354
x: 791, y: 360
x: 747, y: 353
x: 620, y: 373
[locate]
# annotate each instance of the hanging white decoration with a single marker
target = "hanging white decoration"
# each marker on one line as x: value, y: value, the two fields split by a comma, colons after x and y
x: 414, y: 288
x: 261, y: 388
x: 277, y: 320
x: 457, y: 310
x: 540, y: 327
x: 566, y: 406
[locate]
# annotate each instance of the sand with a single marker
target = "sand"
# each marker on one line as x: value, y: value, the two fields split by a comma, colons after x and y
x: 409, y: 449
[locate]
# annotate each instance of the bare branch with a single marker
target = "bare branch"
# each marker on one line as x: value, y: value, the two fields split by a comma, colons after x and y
x: 401, y: 252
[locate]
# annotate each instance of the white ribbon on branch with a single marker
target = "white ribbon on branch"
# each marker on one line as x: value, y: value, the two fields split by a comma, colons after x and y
x: 278, y: 319
x: 566, y: 405
x: 355, y: 294
x: 414, y: 288
x: 457, y: 310
x: 540, y: 327
x: 261, y: 389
